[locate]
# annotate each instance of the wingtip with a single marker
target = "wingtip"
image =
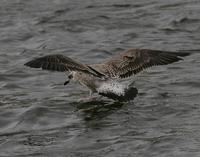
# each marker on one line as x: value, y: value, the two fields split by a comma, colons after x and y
x: 183, y: 54
x: 27, y: 64
x: 33, y: 64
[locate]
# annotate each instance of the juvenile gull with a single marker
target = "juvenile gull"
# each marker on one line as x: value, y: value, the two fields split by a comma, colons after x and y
x: 103, y: 78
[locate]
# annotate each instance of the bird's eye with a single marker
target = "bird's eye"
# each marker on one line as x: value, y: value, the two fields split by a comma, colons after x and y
x: 128, y: 57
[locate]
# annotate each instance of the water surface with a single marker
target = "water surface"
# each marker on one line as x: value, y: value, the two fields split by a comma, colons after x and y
x: 41, y: 117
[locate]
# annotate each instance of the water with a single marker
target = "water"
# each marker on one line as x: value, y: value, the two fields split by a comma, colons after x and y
x: 41, y: 117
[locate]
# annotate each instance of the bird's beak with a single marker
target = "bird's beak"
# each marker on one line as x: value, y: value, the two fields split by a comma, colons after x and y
x: 66, y: 82
x: 70, y: 76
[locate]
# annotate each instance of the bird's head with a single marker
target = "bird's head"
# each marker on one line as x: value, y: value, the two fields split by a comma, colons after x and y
x: 70, y: 76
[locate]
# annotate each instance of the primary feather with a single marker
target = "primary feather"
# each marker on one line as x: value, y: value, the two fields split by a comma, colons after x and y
x: 135, y: 60
x: 61, y: 63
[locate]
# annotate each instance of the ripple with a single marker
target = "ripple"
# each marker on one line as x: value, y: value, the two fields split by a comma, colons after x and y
x: 173, y: 5
x: 41, y: 117
x: 184, y: 20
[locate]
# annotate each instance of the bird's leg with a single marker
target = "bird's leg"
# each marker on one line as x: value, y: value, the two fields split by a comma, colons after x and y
x: 90, y: 93
x: 90, y: 98
x: 131, y: 84
x: 94, y: 97
x: 86, y: 98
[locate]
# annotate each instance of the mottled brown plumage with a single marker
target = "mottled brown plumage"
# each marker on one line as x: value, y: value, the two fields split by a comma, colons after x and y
x: 101, y: 77
x: 133, y: 61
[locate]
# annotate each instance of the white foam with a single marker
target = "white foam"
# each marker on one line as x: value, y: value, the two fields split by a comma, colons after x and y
x: 113, y: 87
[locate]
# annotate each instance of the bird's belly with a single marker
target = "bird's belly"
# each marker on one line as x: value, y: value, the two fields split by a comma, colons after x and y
x: 117, y: 91
x: 112, y: 87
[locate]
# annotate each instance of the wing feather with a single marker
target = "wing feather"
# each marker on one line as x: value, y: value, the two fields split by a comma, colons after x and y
x: 61, y: 63
x: 134, y: 61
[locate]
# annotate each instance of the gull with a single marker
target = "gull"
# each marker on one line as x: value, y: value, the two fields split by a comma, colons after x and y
x: 104, y: 78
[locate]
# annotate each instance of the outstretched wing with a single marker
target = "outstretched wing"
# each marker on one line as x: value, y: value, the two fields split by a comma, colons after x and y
x: 135, y: 60
x: 61, y: 63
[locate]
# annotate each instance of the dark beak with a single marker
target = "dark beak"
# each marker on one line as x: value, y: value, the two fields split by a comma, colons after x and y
x: 66, y: 82
x: 69, y: 78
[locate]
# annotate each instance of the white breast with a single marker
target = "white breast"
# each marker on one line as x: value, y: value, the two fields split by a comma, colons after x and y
x: 112, y: 87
